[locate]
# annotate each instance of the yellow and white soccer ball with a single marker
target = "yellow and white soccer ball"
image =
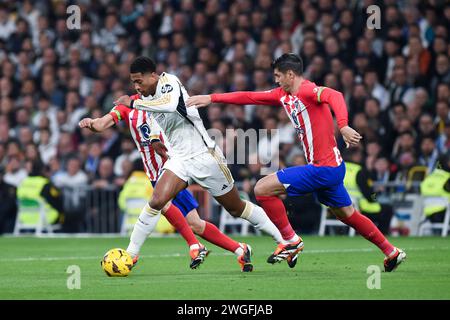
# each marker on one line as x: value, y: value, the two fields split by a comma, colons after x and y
x: 117, y: 263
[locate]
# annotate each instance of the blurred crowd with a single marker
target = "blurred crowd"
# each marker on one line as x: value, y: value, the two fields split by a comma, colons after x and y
x: 395, y: 79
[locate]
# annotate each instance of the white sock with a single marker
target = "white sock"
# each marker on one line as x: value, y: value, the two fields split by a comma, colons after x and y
x: 294, y: 239
x: 259, y: 219
x: 239, y: 251
x: 194, y: 246
x: 145, y: 224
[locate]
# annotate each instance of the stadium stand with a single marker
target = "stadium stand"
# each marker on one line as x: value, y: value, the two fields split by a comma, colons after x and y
x: 395, y: 80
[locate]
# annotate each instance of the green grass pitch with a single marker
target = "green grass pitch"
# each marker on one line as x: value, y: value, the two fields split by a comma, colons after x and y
x: 329, y: 268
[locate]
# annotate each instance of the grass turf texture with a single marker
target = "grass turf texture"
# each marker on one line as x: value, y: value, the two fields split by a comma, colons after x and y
x: 329, y: 268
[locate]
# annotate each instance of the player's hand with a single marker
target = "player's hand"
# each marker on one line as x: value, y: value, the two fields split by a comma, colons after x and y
x: 199, y: 101
x: 85, y: 123
x: 125, y: 100
x: 351, y: 137
x: 160, y: 149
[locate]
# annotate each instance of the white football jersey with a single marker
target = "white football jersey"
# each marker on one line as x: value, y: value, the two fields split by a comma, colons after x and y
x: 183, y: 126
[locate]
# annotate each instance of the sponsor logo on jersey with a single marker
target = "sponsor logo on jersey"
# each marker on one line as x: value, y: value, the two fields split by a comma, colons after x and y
x: 294, y: 116
x: 166, y: 88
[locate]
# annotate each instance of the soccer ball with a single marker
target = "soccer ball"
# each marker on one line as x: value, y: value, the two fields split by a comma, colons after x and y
x: 117, y: 263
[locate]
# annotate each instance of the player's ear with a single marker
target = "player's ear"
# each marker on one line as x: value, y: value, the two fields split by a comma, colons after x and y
x: 290, y: 74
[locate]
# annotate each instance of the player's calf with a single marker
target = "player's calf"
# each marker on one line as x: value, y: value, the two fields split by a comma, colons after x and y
x: 196, y: 224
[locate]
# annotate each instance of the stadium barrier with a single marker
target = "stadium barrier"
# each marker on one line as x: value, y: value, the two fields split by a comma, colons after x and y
x: 426, y: 225
x: 96, y: 211
x: 92, y: 210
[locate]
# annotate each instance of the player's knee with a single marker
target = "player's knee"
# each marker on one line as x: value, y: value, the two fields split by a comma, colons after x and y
x: 237, y: 209
x: 196, y: 226
x: 260, y: 189
x: 157, y: 202
x: 343, y: 213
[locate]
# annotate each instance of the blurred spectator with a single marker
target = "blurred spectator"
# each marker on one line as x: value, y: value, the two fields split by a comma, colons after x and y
x: 93, y: 158
x: 428, y: 155
x: 73, y: 176
x: 404, y: 143
x: 383, y: 173
x: 65, y: 148
x: 426, y: 126
x: 15, y: 173
x: 399, y: 89
x: 8, y: 209
x: 442, y: 115
x: 443, y: 141
x: 105, y: 175
x: 405, y: 161
x: 7, y: 25
x: 47, y: 148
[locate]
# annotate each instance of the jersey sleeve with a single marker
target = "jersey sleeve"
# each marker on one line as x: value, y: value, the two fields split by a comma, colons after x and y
x: 155, y: 129
x: 319, y: 94
x: 166, y: 103
x: 269, y: 97
x: 119, y: 113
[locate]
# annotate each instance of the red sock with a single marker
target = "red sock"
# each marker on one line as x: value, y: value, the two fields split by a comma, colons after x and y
x: 215, y: 236
x: 276, y: 212
x: 175, y: 217
x: 368, y: 230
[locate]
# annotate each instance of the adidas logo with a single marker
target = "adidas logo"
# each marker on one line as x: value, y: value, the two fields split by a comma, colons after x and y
x: 144, y: 223
x: 224, y: 187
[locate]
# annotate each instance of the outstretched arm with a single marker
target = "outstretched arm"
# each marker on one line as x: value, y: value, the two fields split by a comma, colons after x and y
x: 117, y: 114
x: 270, y: 97
x: 97, y: 124
x: 336, y: 101
x: 164, y: 104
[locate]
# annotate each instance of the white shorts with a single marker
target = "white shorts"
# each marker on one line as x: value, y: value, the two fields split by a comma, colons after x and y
x: 208, y: 169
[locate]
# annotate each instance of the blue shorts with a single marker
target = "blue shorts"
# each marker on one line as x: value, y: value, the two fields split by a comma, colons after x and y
x: 183, y: 201
x: 326, y: 183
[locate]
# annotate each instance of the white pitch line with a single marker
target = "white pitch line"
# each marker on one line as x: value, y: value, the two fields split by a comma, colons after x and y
x: 174, y: 255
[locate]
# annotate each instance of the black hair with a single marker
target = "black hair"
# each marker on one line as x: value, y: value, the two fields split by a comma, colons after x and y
x: 407, y: 132
x: 309, y: 29
x: 399, y: 103
x: 289, y: 61
x: 142, y: 65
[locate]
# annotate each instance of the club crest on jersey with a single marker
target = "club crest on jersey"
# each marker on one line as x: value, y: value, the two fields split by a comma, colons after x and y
x: 145, y: 131
x: 166, y: 88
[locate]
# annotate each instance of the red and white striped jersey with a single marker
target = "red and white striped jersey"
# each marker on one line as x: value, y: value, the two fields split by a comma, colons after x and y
x: 143, y: 129
x: 309, y: 113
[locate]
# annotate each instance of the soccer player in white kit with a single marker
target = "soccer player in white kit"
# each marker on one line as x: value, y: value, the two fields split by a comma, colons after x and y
x: 154, y: 148
x: 195, y: 157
